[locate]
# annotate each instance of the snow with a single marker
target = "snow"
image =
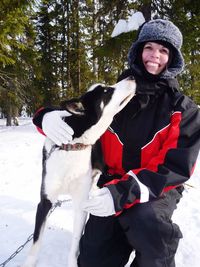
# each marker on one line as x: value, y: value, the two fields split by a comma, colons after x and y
x: 133, y: 23
x: 20, y: 172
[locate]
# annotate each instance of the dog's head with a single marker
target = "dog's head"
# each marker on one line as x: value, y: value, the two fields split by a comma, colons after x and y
x: 97, y: 107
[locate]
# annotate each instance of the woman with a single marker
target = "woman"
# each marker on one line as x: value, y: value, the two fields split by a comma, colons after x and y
x: 149, y: 150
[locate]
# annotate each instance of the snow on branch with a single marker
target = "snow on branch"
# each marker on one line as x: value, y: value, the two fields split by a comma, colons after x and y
x: 133, y: 23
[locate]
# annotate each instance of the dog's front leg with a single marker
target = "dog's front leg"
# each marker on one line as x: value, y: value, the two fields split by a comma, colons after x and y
x: 78, y: 227
x: 78, y: 196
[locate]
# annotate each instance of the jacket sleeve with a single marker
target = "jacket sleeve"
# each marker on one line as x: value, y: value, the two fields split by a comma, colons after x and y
x: 170, y: 164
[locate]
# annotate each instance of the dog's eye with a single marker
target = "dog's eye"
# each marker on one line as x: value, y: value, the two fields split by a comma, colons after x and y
x: 108, y: 89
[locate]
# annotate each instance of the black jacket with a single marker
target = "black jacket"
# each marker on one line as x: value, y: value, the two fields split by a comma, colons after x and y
x: 152, y: 144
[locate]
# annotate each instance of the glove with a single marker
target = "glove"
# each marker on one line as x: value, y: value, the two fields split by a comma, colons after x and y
x: 100, y: 203
x: 55, y: 128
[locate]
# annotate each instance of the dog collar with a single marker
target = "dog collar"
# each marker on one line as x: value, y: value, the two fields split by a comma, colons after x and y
x: 73, y: 147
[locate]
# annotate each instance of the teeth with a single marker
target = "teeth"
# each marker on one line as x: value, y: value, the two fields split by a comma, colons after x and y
x: 152, y: 64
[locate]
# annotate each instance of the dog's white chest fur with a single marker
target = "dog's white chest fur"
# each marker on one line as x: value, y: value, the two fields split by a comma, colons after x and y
x: 65, y: 170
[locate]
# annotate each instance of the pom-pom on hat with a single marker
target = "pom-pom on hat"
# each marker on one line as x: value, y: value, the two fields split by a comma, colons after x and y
x: 160, y: 30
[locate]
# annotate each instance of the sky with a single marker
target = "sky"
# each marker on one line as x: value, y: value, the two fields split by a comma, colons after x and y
x: 20, y: 178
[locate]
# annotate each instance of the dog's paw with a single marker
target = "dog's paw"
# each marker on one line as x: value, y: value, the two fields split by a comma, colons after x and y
x: 29, y: 263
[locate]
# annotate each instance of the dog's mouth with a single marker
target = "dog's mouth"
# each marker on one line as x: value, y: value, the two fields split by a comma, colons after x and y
x: 126, y: 99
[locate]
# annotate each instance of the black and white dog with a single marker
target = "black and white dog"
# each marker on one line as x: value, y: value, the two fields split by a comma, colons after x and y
x: 68, y: 169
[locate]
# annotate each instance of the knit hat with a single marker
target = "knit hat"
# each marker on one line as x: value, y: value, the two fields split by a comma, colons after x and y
x: 160, y: 30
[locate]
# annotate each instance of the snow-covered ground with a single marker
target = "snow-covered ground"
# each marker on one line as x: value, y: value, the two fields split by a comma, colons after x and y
x: 20, y: 177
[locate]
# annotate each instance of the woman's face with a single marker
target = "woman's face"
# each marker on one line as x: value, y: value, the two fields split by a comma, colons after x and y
x: 155, y: 57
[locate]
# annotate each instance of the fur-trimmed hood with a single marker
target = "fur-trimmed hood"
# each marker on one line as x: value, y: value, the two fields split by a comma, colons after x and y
x: 159, y: 30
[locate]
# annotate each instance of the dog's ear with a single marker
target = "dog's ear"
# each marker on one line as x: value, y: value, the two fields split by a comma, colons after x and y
x: 73, y: 106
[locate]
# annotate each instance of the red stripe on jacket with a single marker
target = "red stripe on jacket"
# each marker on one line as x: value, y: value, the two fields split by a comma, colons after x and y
x: 112, y: 150
x: 153, y: 153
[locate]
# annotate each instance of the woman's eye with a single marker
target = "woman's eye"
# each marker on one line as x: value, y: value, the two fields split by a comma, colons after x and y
x: 147, y: 47
x: 165, y: 51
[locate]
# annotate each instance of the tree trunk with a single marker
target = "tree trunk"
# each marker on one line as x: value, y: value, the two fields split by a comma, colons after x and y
x: 78, y: 49
x: 94, y: 40
x: 146, y: 10
x: 9, y: 116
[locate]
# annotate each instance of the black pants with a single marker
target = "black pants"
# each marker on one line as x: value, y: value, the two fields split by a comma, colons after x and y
x: 146, y: 228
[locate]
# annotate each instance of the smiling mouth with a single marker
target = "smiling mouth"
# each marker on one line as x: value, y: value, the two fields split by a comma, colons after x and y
x: 152, y: 64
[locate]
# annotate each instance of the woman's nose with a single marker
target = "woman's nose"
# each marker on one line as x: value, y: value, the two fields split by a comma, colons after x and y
x: 155, y: 53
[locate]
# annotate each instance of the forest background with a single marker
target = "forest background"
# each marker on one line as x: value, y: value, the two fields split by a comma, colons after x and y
x: 52, y: 50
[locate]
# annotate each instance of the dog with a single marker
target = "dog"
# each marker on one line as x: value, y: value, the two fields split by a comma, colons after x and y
x: 68, y: 169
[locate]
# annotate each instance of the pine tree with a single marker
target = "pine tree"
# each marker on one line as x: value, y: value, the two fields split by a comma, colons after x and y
x: 15, y: 35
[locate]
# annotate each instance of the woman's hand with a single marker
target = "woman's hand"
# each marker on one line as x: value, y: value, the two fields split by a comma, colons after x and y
x: 100, y: 203
x: 55, y: 128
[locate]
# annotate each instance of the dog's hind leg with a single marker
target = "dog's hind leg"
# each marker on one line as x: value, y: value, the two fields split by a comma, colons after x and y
x: 42, y: 211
